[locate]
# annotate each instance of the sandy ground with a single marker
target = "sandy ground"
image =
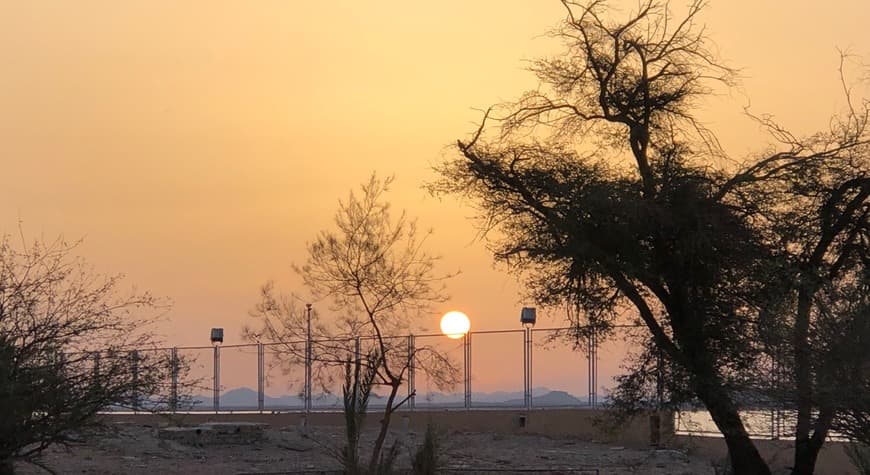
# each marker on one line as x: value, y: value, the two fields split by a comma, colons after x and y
x: 131, y: 449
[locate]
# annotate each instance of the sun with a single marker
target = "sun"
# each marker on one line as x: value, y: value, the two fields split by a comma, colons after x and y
x: 455, y: 324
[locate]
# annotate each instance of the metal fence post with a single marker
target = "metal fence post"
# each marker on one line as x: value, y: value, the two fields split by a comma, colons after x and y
x: 96, y: 367
x: 308, y: 359
x: 660, y: 381
x: 356, y: 350
x: 467, y: 361
x: 531, y: 368
x: 595, y: 367
x: 412, y: 390
x: 527, y: 390
x: 134, y: 356
x: 261, y: 376
x: 173, y: 382
x: 217, y: 378
x: 773, y: 424
x: 592, y: 358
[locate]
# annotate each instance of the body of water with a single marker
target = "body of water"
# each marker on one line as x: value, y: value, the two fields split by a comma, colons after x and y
x: 770, y: 424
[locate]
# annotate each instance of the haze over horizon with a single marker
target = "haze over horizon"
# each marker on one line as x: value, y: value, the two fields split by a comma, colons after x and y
x: 196, y: 147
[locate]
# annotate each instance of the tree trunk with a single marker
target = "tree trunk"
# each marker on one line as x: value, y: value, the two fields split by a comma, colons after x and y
x: 802, y: 369
x: 708, y: 386
x: 745, y: 459
x: 385, y: 425
x: 805, y: 455
x: 806, y: 449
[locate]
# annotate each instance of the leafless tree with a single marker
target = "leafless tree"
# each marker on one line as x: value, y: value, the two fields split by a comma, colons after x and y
x: 810, y: 202
x: 71, y: 344
x: 375, y: 273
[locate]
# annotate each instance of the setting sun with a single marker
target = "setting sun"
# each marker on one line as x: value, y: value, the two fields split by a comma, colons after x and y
x: 227, y: 217
x: 455, y: 324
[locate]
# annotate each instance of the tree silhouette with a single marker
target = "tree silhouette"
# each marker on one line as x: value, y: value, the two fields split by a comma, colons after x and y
x: 613, y: 199
x: 374, y: 271
x: 71, y: 345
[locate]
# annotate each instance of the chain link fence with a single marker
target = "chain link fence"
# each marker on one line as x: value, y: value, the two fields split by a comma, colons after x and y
x: 521, y: 368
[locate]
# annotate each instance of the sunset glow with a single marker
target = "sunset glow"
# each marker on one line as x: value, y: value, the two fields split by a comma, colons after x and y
x: 455, y: 324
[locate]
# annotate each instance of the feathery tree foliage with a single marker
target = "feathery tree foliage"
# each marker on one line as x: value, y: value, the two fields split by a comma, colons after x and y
x: 374, y: 271
x: 613, y: 199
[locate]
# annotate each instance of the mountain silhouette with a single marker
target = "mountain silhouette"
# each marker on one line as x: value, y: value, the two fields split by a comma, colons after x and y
x: 246, y: 398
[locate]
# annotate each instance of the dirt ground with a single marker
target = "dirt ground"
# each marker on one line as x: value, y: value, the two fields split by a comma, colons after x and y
x: 132, y: 449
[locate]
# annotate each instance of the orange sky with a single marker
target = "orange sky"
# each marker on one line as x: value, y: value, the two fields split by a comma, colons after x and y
x: 197, y: 145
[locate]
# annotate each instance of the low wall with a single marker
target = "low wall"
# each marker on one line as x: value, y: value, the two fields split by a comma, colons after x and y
x: 583, y: 424
x: 779, y: 454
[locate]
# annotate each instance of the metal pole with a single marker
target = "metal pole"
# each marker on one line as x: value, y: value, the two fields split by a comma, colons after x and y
x: 531, y: 373
x: 595, y: 367
x: 777, y: 415
x: 261, y: 376
x: 526, y: 367
x: 356, y: 349
x: 774, y: 433
x: 589, y: 383
x: 217, y: 378
x: 135, y: 360
x: 660, y: 388
x: 173, y: 383
x: 592, y: 357
x: 467, y: 341
x: 308, y: 358
x: 412, y: 392
x: 96, y: 367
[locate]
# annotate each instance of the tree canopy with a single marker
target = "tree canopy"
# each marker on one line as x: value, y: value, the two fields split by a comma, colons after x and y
x: 72, y: 344
x: 607, y: 192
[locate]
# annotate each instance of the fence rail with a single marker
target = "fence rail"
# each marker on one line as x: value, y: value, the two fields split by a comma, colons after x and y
x: 506, y: 369
x: 500, y: 368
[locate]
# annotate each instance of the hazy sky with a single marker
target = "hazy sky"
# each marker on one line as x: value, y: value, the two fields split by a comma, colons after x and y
x: 197, y: 145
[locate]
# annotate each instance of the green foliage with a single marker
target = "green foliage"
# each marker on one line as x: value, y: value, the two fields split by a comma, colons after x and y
x: 427, y: 459
x: 374, y: 269
x: 357, y: 388
x: 70, y: 346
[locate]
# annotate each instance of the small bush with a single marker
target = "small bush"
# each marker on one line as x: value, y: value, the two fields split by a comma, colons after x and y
x: 427, y: 460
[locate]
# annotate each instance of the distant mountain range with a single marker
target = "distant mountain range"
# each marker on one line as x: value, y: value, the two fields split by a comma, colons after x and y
x: 246, y: 398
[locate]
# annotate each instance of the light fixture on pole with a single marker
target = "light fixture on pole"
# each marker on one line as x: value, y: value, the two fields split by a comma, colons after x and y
x: 528, y: 317
x: 217, y: 337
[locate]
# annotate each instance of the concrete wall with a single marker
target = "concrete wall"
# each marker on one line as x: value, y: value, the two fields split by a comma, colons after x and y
x: 778, y: 453
x: 583, y: 424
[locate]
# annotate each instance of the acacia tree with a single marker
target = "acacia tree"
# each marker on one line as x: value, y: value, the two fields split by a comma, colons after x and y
x: 699, y: 252
x: 810, y: 203
x: 374, y: 270
x: 71, y: 345
x: 841, y: 391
